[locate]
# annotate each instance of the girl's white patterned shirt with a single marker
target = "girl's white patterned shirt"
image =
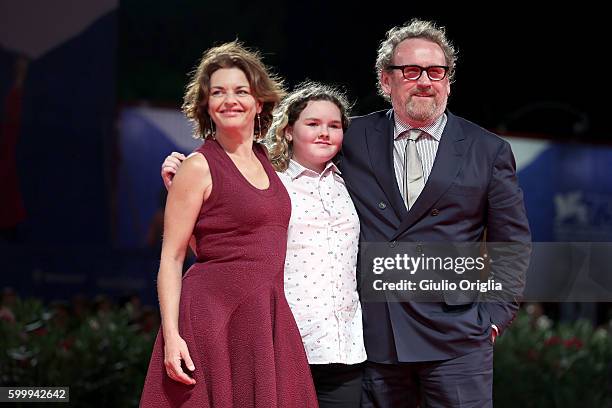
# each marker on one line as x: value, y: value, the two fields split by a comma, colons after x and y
x: 320, y: 266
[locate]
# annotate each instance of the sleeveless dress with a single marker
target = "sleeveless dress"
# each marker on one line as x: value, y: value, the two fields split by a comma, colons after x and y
x: 233, y: 314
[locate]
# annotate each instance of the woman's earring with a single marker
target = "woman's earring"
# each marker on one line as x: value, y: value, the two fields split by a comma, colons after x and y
x: 212, y: 129
x: 259, y: 135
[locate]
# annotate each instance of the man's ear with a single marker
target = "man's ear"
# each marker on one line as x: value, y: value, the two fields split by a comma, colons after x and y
x: 385, y: 81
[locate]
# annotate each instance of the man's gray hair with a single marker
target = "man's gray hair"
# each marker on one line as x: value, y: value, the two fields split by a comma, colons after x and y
x: 414, y: 28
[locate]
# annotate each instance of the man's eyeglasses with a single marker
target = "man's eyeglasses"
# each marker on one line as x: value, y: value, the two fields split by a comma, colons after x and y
x: 414, y: 72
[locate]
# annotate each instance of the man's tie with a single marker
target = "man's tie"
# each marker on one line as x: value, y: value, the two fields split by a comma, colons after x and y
x: 413, y: 169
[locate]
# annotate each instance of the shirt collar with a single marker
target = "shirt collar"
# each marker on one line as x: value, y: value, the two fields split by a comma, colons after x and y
x: 435, y: 129
x: 295, y: 170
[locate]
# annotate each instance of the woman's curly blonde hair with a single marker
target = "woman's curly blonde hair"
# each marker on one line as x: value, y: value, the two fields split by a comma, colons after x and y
x: 265, y: 87
x: 289, y: 110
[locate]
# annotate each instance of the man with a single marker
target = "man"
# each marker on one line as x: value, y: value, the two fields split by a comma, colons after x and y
x: 417, y: 173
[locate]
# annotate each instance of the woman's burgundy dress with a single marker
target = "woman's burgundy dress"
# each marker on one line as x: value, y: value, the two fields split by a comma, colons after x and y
x: 233, y: 314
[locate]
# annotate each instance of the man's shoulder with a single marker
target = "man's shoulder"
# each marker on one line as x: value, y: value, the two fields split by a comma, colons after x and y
x: 370, y: 118
x: 361, y: 126
x: 473, y: 130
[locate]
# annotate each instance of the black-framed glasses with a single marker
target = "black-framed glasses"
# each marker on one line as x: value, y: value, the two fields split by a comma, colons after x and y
x: 414, y: 72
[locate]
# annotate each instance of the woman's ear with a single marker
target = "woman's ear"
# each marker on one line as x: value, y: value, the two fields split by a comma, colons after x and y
x: 288, y: 133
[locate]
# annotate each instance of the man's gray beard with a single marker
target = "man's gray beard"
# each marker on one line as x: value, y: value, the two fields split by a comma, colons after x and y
x: 421, y: 115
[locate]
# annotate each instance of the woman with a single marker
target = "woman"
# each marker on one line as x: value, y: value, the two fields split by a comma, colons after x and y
x: 228, y: 338
x: 320, y: 279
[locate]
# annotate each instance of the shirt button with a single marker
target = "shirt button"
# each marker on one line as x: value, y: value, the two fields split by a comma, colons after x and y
x: 435, y: 212
x: 382, y: 205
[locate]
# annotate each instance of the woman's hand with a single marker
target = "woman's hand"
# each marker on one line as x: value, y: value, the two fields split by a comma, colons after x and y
x: 175, y: 351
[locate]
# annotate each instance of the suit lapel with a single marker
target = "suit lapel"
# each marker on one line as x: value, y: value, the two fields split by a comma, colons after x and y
x: 380, y: 149
x: 447, y: 164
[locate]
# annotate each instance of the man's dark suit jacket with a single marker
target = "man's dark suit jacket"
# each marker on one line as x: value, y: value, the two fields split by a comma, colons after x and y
x: 472, y: 188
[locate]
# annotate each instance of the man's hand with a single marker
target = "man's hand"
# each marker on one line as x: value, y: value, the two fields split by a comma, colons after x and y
x: 170, y: 167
